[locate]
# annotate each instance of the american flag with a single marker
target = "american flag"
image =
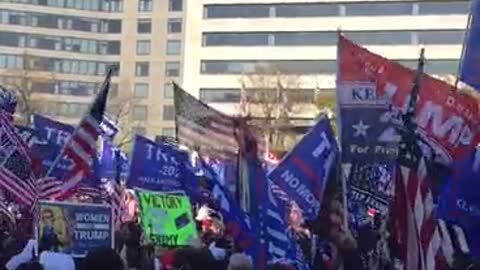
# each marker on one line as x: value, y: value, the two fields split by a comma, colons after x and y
x: 49, y: 187
x: 416, y: 230
x: 16, y: 174
x: 82, y: 144
x: 204, y: 129
x: 114, y: 194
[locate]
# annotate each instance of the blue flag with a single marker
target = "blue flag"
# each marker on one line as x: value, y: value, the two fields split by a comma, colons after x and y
x: 156, y: 166
x: 206, y: 189
x: 470, y: 67
x: 459, y: 203
x: 52, y: 136
x: 270, y: 218
x: 303, y: 173
x: 112, y: 159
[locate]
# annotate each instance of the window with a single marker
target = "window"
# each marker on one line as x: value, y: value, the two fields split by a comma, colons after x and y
x: 139, y: 130
x: 237, y: 11
x: 381, y: 37
x: 142, y: 69
x: 440, y: 37
x: 235, y: 39
x: 143, y: 47
x: 168, y: 113
x: 174, y: 25
x: 287, y: 66
x: 144, y: 26
x: 168, y: 132
x: 452, y: 7
x: 145, y: 5
x: 172, y: 69
x: 141, y: 90
x: 168, y: 90
x: 140, y: 113
x: 306, y: 10
x: 173, y: 47
x: 231, y: 95
x: 175, y: 5
x: 378, y: 9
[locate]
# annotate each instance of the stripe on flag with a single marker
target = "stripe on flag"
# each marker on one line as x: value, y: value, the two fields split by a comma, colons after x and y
x: 16, y: 175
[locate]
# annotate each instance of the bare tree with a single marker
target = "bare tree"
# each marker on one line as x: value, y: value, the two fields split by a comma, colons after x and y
x: 24, y: 81
x: 273, y: 99
x: 120, y: 108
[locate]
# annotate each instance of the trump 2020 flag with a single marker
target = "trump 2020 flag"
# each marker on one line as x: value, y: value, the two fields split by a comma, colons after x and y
x: 156, y: 166
x: 303, y: 173
x: 470, y: 67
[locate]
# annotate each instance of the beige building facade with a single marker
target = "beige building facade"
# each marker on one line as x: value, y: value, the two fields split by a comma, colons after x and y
x: 64, y: 47
x: 227, y: 39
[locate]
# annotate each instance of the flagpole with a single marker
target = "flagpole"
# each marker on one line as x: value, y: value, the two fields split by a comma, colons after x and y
x: 465, y: 40
x: 70, y: 138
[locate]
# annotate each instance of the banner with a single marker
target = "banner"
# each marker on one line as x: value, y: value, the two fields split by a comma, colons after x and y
x: 448, y: 119
x: 77, y: 228
x: 167, y: 218
x: 155, y: 166
x: 52, y: 137
x: 459, y: 203
x: 303, y: 173
x: 112, y: 160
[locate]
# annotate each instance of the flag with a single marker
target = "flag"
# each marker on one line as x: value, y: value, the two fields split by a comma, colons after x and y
x: 469, y: 69
x: 416, y: 226
x: 49, y: 187
x: 108, y: 128
x: 82, y: 144
x: 204, y: 129
x: 16, y: 174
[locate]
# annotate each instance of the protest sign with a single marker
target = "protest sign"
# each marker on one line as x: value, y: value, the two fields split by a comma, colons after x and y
x: 77, y: 228
x: 167, y: 218
x: 155, y: 166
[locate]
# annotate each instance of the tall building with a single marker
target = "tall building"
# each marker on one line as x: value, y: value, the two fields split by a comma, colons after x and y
x: 62, y: 48
x: 230, y: 38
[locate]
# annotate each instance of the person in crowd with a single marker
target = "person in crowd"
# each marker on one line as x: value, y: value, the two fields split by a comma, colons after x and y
x: 51, y: 258
x: 239, y: 261
x: 103, y: 259
x: 30, y: 266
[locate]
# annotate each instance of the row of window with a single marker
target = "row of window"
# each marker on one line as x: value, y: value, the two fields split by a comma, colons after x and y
x: 95, y: 5
x: 174, y: 25
x: 294, y: 10
x: 140, y: 113
x: 174, y: 47
x: 141, y: 90
x: 172, y: 69
x: 330, y: 38
x: 56, y: 65
x: 147, y: 5
x: 90, y: 46
x: 439, y: 67
x: 232, y: 95
x: 52, y: 21
x: 72, y: 88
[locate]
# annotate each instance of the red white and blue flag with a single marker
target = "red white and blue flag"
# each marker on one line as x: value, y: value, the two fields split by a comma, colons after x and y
x: 82, y: 145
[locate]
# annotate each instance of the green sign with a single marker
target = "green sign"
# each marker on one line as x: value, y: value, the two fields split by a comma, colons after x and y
x: 167, y: 219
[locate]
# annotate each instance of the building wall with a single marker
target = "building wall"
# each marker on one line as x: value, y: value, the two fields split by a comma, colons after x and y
x: 102, y: 32
x: 252, y: 32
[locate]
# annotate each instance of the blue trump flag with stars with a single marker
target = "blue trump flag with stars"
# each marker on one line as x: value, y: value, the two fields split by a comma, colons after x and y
x: 459, y: 203
x: 111, y: 160
x: 303, y: 173
x: 155, y: 166
x: 470, y: 65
